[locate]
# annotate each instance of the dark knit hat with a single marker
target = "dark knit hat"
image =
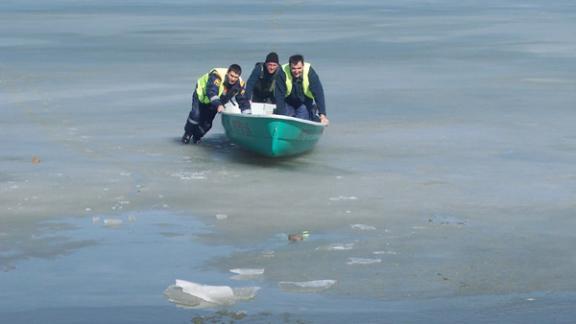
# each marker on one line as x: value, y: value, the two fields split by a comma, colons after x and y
x: 272, y: 57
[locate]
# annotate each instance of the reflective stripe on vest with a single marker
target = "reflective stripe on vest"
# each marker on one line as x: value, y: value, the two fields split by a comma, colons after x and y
x: 305, y: 80
x: 201, y: 84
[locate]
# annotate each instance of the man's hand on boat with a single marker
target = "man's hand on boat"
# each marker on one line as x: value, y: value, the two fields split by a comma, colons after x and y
x: 220, y: 108
x: 324, y: 120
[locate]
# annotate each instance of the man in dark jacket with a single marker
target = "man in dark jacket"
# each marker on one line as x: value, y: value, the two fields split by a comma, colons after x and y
x: 213, y: 90
x: 299, y: 92
x: 260, y: 84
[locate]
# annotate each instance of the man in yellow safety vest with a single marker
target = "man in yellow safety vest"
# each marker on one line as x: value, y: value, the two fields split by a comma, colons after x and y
x: 213, y: 90
x: 299, y: 92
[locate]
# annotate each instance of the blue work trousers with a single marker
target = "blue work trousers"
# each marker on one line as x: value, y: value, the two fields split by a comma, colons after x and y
x: 298, y: 112
x: 200, y: 118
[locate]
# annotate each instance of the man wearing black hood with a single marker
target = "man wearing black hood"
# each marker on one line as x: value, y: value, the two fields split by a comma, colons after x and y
x: 260, y: 84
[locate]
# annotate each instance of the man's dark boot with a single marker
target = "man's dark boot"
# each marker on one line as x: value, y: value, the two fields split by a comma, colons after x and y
x: 195, y: 140
x: 186, y: 138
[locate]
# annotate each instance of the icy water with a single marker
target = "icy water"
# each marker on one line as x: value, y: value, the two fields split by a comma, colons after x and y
x: 443, y: 191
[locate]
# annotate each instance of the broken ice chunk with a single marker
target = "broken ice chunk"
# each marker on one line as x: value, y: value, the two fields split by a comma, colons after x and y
x: 306, y: 286
x: 446, y: 220
x: 343, y: 198
x: 112, y: 222
x: 190, y: 294
x: 247, y: 271
x: 390, y: 252
x: 336, y: 247
x: 352, y: 261
x: 212, y: 294
x: 246, y: 274
x: 363, y: 227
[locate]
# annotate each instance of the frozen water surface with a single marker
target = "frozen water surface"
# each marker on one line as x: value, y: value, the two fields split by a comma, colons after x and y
x: 452, y: 137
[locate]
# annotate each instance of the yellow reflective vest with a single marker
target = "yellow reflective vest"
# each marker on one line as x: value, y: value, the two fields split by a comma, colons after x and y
x: 305, y: 80
x: 203, y: 80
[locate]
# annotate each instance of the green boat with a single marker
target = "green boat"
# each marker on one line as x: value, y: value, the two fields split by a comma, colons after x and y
x: 271, y: 135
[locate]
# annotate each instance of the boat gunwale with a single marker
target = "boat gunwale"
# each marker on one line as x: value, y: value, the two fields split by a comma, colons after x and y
x: 275, y: 117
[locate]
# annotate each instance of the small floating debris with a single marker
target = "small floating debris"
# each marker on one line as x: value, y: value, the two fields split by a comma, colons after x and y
x: 35, y: 160
x: 306, y: 286
x: 363, y: 227
x: 221, y: 216
x: 295, y: 237
x: 194, y: 295
x: 362, y: 261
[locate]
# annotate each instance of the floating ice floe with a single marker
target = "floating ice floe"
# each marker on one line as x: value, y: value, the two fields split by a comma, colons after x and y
x: 446, y: 220
x: 193, y: 295
x: 113, y: 222
x: 246, y: 274
x: 363, y: 261
x: 221, y: 216
x: 389, y: 252
x: 248, y: 271
x: 363, y: 227
x: 190, y: 175
x: 546, y: 80
x: 343, y: 198
x: 336, y: 247
x: 268, y: 254
x: 306, y: 286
